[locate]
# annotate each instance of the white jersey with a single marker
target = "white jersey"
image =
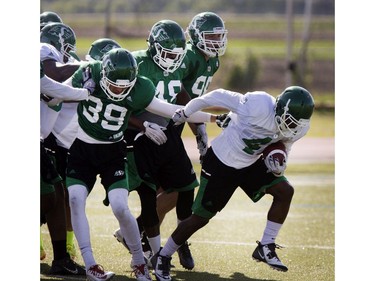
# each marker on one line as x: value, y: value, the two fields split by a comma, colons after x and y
x: 66, y: 125
x: 48, y: 115
x: 61, y: 91
x: 251, y: 129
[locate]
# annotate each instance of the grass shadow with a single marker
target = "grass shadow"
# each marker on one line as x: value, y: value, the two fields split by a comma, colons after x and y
x: 206, y: 276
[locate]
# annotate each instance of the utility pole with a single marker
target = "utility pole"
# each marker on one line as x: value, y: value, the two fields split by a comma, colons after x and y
x: 290, y: 65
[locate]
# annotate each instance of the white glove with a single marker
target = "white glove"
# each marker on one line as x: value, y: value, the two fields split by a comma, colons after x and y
x: 88, y: 83
x: 276, y: 162
x: 155, y: 132
x: 179, y: 116
x: 202, y: 139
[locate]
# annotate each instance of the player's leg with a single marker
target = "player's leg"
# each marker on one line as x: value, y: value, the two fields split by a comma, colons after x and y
x: 165, y: 202
x: 258, y: 182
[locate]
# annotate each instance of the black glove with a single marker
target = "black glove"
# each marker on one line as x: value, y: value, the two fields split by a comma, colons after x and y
x: 222, y: 120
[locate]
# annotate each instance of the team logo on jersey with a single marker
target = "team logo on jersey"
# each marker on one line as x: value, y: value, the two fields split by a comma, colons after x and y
x: 209, y: 68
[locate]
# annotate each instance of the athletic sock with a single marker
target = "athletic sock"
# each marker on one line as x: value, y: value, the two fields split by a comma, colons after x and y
x: 270, y: 232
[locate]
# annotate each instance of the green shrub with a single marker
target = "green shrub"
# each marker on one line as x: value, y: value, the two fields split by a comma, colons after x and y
x: 243, y: 76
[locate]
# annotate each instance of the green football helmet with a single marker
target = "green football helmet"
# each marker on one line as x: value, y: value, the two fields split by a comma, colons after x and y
x: 48, y: 17
x: 293, y: 110
x: 61, y: 36
x: 100, y: 47
x: 119, y: 73
x: 207, y: 32
x: 167, y: 45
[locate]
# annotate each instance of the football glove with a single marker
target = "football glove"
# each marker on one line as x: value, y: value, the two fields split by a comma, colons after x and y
x: 179, y: 116
x: 155, y: 132
x: 87, y: 81
x: 222, y: 120
x: 202, y: 139
x: 276, y: 164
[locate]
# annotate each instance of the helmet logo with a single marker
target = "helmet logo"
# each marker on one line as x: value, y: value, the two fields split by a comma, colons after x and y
x: 200, y: 21
x: 107, y: 48
x: 61, y: 32
x: 160, y: 34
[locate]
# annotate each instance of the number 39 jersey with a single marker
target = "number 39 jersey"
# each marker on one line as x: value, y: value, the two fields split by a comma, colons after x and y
x: 252, y: 127
x: 103, y: 119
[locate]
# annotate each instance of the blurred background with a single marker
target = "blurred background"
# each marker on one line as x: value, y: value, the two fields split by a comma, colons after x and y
x: 271, y: 43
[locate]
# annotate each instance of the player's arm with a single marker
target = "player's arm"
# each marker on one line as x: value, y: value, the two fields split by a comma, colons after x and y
x: 61, y: 91
x: 59, y: 72
x: 220, y: 97
x: 167, y: 110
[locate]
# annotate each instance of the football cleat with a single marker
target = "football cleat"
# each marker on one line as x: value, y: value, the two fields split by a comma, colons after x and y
x: 186, y: 259
x: 97, y: 273
x: 267, y: 254
x: 162, y: 267
x: 141, y: 272
x: 66, y: 266
x: 148, y: 255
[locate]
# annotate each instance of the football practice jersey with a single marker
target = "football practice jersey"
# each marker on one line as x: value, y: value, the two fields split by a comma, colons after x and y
x: 167, y: 85
x: 48, y: 115
x: 103, y: 120
x: 199, y: 72
x: 252, y: 126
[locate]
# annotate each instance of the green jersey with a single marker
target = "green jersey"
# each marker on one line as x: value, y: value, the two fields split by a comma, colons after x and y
x: 167, y: 85
x: 199, y: 71
x: 104, y: 119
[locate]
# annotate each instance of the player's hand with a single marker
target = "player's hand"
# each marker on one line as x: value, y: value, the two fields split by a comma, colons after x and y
x: 179, y: 116
x: 222, y: 120
x: 276, y: 162
x: 202, y: 139
x: 155, y: 132
x: 87, y: 81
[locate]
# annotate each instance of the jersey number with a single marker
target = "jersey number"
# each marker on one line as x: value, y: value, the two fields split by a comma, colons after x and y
x: 112, y: 113
x: 253, y: 145
x: 201, y: 85
x: 174, y: 87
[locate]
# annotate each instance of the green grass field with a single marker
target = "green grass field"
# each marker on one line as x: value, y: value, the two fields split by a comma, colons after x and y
x: 222, y: 250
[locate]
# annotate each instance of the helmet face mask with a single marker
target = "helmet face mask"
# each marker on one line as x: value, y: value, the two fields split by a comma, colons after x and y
x: 119, y: 73
x: 207, y: 32
x: 293, y: 110
x: 167, y: 45
x: 100, y: 47
x: 61, y: 36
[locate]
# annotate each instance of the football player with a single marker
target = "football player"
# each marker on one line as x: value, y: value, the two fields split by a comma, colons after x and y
x: 207, y: 42
x: 57, y: 40
x: 160, y: 160
x: 235, y: 160
x: 99, y: 149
